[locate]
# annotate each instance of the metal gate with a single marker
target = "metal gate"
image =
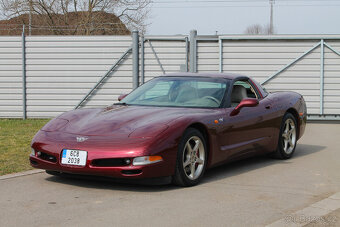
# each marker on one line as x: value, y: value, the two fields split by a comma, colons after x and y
x: 151, y: 56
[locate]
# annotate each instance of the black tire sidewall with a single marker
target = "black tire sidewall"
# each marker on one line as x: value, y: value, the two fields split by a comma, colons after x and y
x: 180, y: 176
x: 280, y: 149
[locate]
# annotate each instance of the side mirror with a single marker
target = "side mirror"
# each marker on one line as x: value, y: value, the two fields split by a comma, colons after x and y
x: 121, y: 97
x: 249, y: 102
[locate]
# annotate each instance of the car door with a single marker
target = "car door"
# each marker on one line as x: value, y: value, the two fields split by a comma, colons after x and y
x: 250, y: 130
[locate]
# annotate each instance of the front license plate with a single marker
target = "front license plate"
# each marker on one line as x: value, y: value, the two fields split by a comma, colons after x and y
x: 74, y: 157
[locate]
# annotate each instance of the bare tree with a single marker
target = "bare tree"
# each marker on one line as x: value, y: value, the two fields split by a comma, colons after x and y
x: 76, y: 15
x: 254, y: 29
x: 257, y: 29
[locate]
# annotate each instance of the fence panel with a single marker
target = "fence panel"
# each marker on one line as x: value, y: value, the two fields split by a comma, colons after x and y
x: 261, y: 58
x: 170, y: 51
x: 62, y: 69
x: 10, y: 76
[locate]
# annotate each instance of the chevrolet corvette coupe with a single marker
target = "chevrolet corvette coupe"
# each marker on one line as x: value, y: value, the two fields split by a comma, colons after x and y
x: 173, y: 127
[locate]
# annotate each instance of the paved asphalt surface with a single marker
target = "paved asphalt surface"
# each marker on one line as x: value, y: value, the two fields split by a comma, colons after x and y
x: 253, y: 192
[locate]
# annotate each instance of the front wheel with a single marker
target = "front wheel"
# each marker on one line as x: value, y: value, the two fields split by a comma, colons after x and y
x: 191, y: 158
x: 287, y: 138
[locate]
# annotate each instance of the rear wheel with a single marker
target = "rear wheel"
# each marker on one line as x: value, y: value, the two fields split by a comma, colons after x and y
x: 287, y: 138
x: 191, y: 158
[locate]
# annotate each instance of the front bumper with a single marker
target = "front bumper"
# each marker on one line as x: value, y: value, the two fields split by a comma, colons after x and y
x: 51, y: 144
x: 148, y: 171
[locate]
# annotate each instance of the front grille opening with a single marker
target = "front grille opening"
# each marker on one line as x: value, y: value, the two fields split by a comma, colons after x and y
x: 111, y: 162
x: 132, y: 172
x: 46, y: 157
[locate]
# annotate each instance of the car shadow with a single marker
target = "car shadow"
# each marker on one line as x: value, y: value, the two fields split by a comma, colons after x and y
x: 253, y: 163
x: 110, y: 183
x: 214, y: 174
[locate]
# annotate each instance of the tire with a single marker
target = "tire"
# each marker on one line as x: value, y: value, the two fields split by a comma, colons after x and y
x: 287, y: 138
x: 191, y: 159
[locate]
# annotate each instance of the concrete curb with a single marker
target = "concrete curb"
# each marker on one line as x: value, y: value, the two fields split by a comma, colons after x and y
x: 21, y: 174
x: 311, y: 213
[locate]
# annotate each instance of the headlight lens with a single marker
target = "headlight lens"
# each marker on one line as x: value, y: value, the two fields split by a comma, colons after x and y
x: 146, y: 160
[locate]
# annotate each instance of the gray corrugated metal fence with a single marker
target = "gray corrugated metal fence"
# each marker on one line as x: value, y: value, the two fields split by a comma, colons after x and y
x: 309, y: 65
x: 10, y: 77
x: 61, y: 70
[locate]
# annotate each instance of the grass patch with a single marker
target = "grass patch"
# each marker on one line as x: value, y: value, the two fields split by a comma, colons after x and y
x: 15, y: 140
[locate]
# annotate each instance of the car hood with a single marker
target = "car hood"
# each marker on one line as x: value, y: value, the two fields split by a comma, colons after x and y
x: 120, y: 120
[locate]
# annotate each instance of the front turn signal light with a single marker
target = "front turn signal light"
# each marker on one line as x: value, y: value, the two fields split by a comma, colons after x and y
x: 146, y: 160
x: 32, y: 152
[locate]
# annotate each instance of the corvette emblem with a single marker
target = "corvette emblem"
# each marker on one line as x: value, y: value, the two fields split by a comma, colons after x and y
x: 81, y: 138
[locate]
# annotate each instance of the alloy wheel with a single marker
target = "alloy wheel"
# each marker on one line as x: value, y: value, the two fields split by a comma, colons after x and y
x: 289, y: 136
x: 193, y: 157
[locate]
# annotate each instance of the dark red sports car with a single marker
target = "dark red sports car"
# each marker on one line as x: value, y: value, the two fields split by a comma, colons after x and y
x: 174, y: 127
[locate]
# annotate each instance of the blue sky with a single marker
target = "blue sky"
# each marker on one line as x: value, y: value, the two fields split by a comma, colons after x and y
x: 170, y: 17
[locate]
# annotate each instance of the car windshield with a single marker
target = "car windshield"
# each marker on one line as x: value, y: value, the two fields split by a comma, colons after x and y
x: 179, y: 92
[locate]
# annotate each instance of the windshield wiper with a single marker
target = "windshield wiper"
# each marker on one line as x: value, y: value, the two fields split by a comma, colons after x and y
x: 121, y: 103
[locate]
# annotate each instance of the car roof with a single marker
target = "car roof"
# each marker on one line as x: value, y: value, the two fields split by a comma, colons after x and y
x: 230, y: 76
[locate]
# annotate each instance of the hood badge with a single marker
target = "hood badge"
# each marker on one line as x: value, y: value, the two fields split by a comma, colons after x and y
x: 81, y: 138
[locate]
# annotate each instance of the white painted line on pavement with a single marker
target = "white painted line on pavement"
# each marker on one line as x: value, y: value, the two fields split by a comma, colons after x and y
x: 314, y: 212
x: 21, y: 174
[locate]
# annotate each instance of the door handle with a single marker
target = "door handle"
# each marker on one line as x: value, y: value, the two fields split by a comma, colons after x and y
x: 268, y: 107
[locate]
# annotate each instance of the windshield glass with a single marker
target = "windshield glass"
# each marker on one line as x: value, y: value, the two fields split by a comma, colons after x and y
x: 179, y: 92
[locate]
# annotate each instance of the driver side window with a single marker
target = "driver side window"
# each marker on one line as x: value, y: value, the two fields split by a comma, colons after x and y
x: 242, y: 90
